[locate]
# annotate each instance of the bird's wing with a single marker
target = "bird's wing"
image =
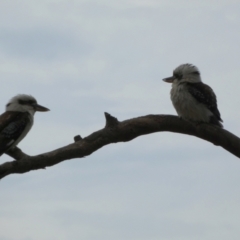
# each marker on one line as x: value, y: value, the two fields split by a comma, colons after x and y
x: 205, y: 95
x: 12, y: 125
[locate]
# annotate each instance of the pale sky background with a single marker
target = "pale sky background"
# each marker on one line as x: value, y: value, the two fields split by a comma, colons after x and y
x: 82, y: 58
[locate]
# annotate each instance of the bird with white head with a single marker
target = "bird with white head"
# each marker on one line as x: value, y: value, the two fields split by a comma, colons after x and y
x: 17, y: 120
x: 192, y: 99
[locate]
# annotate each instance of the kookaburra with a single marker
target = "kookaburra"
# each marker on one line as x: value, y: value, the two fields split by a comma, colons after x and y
x: 17, y: 120
x: 192, y: 99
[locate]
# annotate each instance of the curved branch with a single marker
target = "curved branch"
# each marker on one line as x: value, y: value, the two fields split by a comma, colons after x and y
x: 116, y: 131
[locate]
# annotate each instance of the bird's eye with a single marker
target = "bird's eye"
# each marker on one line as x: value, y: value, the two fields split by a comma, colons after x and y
x: 178, y: 76
x: 30, y: 102
x: 196, y: 73
x: 27, y: 102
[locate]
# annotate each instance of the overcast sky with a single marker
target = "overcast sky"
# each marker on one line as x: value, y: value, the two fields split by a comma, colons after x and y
x: 81, y: 58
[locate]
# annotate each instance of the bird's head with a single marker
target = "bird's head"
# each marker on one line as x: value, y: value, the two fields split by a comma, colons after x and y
x: 25, y: 103
x: 184, y: 73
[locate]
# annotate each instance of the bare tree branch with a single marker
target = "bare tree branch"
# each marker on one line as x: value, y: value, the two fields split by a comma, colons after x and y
x: 114, y: 132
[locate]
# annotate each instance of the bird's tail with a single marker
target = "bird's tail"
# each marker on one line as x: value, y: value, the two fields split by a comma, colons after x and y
x: 215, y: 121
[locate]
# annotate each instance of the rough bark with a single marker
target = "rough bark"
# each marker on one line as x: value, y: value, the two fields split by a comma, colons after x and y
x: 114, y: 132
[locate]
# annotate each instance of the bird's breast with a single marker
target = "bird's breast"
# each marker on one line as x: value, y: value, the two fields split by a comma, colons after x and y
x: 187, y: 106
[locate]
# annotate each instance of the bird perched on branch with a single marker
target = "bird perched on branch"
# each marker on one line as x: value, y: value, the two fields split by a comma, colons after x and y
x: 17, y: 120
x: 192, y: 99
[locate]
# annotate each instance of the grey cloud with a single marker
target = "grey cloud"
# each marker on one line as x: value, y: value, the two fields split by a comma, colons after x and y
x: 42, y: 44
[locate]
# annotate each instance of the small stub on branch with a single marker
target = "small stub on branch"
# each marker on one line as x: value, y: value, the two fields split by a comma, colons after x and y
x: 110, y: 120
x: 77, y: 138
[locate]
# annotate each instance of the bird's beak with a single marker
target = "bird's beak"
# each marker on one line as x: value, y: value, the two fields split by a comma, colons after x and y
x: 40, y: 108
x: 169, y: 79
